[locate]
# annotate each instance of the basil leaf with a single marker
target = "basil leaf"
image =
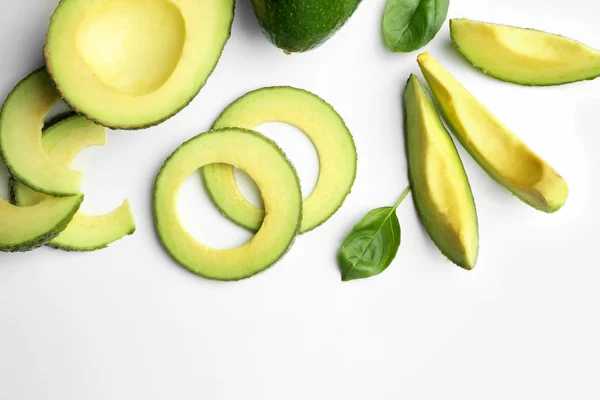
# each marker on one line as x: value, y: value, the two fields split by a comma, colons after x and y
x: 409, y: 25
x: 373, y: 243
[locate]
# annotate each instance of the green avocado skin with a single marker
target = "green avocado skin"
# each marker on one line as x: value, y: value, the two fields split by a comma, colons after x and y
x: 300, y: 25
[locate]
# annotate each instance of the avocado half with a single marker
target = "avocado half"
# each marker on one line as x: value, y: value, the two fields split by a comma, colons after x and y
x: 441, y: 190
x: 504, y: 156
x: 326, y: 130
x: 524, y: 56
x: 276, y: 178
x: 301, y: 25
x: 134, y: 63
x: 62, y: 141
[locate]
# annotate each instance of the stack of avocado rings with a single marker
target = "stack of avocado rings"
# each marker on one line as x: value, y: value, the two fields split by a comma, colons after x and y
x: 231, y: 143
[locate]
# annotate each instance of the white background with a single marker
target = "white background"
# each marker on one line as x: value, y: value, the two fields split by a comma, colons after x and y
x: 129, y: 323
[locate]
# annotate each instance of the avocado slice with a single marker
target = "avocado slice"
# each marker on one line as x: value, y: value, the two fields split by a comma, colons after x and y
x: 21, y: 122
x: 140, y: 61
x: 323, y: 126
x: 524, y: 56
x: 499, y: 151
x: 25, y: 228
x: 441, y: 190
x: 301, y: 25
x: 274, y: 175
x: 62, y: 141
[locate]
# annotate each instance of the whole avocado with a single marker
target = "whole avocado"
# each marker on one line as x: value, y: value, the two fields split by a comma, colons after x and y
x: 301, y: 25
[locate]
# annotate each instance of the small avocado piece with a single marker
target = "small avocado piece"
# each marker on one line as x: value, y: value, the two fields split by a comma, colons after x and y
x: 276, y: 178
x: 524, y: 56
x: 62, y: 141
x: 497, y: 150
x: 326, y: 130
x: 301, y: 25
x: 441, y: 190
x: 131, y: 64
x: 21, y: 122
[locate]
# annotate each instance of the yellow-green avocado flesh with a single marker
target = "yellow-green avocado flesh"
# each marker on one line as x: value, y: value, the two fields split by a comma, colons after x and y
x: 21, y: 122
x: 499, y: 151
x: 524, y: 56
x: 26, y: 227
x: 62, y: 142
x: 276, y: 178
x: 323, y: 126
x: 130, y: 64
x: 441, y: 190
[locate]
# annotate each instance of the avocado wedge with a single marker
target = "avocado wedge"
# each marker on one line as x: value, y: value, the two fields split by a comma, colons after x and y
x: 323, y: 126
x: 499, y: 151
x: 279, y: 186
x: 21, y: 122
x: 138, y: 61
x: 524, y: 56
x: 301, y: 25
x: 62, y: 141
x: 440, y: 186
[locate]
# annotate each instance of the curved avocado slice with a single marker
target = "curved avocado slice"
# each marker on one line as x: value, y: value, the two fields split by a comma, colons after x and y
x: 440, y: 186
x: 26, y: 228
x: 21, y: 122
x: 499, y: 151
x: 140, y: 61
x: 29, y: 227
x: 323, y: 126
x: 524, y: 56
x: 301, y: 25
x: 62, y: 141
x: 278, y: 183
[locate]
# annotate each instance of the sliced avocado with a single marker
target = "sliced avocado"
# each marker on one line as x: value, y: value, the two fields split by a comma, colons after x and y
x: 279, y: 186
x: 524, y: 56
x: 62, y: 141
x: 301, y: 25
x: 323, y: 126
x: 21, y: 122
x: 441, y: 189
x: 26, y: 228
x: 139, y: 61
x: 499, y: 151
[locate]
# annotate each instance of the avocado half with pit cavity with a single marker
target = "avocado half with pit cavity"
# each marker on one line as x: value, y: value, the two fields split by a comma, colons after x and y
x: 134, y: 63
x: 62, y: 141
x: 524, y: 56
x: 503, y: 155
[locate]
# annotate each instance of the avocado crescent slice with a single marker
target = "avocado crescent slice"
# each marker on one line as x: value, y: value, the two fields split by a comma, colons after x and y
x: 278, y: 183
x: 524, y: 56
x: 323, y: 126
x: 441, y: 190
x: 139, y: 61
x: 21, y: 122
x: 29, y: 227
x: 504, y: 156
x: 62, y: 141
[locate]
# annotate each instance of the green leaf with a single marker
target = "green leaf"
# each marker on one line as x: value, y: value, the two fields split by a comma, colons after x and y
x: 409, y: 25
x: 372, y: 244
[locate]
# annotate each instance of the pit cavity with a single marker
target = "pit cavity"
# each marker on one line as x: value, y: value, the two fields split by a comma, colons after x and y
x: 132, y: 46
